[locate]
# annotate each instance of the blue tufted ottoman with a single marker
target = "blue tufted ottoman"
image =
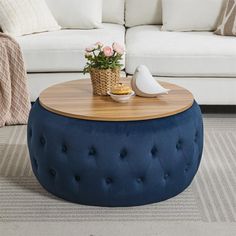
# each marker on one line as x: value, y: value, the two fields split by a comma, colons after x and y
x: 114, y: 162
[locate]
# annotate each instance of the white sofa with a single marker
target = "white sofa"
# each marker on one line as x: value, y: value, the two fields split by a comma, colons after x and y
x: 202, y: 62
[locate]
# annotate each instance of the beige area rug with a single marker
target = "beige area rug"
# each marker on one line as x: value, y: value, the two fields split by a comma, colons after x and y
x: 207, y: 207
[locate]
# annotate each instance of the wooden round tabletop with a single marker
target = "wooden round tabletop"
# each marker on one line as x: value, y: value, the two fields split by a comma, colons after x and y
x: 75, y: 99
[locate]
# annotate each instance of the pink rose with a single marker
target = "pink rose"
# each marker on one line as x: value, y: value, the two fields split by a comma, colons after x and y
x: 108, y: 51
x: 99, y: 44
x: 89, y: 49
x: 118, y: 48
x: 87, y: 54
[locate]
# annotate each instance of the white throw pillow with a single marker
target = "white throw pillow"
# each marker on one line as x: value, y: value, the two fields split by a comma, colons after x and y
x: 113, y: 11
x: 20, y: 17
x: 191, y: 15
x: 77, y: 14
x: 143, y: 12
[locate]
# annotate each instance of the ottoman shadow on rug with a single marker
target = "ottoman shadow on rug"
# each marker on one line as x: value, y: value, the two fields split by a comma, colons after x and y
x: 210, y: 198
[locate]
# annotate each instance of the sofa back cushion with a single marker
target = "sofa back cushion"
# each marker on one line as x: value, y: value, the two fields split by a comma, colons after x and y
x: 191, y: 15
x: 143, y: 12
x: 113, y: 11
x: 78, y: 14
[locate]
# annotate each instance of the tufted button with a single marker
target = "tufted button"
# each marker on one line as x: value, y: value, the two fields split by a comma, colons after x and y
x: 35, y: 164
x: 187, y: 167
x: 166, y: 176
x: 92, y: 151
x: 123, y: 153
x: 109, y: 181
x: 140, y: 180
x: 64, y: 148
x: 77, y: 178
x: 196, y: 137
x: 42, y: 141
x: 179, y: 145
x: 52, y: 172
x: 30, y: 132
x: 154, y: 151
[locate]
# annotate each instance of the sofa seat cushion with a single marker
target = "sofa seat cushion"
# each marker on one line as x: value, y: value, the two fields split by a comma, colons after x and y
x: 63, y: 50
x: 180, y: 53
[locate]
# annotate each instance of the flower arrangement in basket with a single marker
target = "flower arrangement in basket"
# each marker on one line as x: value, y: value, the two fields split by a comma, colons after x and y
x: 103, y: 64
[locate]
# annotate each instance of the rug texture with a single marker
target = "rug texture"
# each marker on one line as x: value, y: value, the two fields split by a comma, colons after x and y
x: 211, y: 198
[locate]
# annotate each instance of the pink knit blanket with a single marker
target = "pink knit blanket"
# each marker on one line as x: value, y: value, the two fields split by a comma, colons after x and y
x: 14, y: 96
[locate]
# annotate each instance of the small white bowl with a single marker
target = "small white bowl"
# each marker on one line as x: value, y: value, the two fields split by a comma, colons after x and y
x: 121, y: 98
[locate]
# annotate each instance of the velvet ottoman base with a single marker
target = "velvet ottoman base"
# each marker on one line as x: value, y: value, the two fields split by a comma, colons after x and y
x: 115, y: 163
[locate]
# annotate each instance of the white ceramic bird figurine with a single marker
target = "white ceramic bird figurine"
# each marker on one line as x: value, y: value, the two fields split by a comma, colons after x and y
x: 145, y: 85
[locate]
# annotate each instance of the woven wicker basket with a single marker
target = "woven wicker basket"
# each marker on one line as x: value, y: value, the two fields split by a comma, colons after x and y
x: 104, y: 80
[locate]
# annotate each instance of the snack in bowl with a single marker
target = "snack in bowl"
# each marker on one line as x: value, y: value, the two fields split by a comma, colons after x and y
x: 121, y: 93
x: 121, y: 89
